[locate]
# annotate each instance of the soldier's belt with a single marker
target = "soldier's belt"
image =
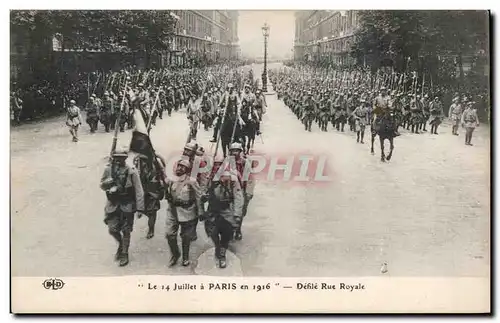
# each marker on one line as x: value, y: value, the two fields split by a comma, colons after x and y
x: 183, y: 204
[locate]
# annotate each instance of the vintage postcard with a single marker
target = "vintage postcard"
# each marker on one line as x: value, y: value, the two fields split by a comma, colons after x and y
x: 245, y: 161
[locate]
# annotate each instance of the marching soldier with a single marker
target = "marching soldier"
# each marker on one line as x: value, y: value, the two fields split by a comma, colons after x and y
x: 260, y: 106
x: 93, y: 107
x: 224, y: 214
x: 360, y: 115
x: 247, y: 184
x: 455, y: 114
x: 309, y: 111
x: 185, y: 207
x: 107, y: 111
x: 206, y: 110
x: 437, y: 113
x: 151, y: 175
x: 73, y: 119
x: 125, y: 196
x: 426, y: 112
x: 194, y: 117
x: 469, y: 121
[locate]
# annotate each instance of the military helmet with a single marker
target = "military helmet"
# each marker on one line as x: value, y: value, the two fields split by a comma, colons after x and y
x: 121, y: 152
x: 200, y: 151
x: 184, y: 162
x: 141, y: 84
x: 218, y: 160
x: 230, y: 85
x: 93, y: 95
x: 235, y: 146
x: 72, y: 102
x: 190, y: 146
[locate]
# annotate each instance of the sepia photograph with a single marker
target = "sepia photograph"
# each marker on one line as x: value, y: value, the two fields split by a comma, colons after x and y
x: 223, y: 146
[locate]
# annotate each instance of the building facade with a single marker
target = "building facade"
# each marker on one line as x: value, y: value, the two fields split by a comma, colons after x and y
x: 325, y: 35
x: 210, y: 35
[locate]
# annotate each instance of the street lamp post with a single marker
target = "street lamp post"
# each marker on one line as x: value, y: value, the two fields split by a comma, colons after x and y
x: 265, y: 33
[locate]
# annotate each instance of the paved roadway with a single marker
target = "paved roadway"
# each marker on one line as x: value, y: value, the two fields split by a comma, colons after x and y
x: 425, y: 213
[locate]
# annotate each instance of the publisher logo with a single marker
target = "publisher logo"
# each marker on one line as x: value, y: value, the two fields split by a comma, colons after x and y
x: 53, y: 283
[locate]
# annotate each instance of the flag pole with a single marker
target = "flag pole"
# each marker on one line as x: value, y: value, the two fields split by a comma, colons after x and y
x: 118, y: 119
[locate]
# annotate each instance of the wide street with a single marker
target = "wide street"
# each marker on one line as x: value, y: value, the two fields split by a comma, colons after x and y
x: 424, y: 213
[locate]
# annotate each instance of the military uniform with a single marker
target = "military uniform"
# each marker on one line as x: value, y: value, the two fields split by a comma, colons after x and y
x: 107, y: 112
x: 225, y: 207
x: 152, y: 182
x: 185, y: 206
x: 360, y: 115
x: 125, y: 196
x: 436, y: 111
x: 455, y: 114
x: 73, y: 120
x: 469, y: 121
x: 93, y: 107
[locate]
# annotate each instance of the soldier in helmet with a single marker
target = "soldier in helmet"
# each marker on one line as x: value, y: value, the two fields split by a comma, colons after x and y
x: 436, y: 113
x: 309, y: 107
x: 246, y: 182
x: 125, y: 196
x: 194, y: 116
x: 185, y: 207
x: 92, y: 110
x: 73, y: 119
x: 360, y: 115
x: 469, y: 121
x: 107, y: 111
x: 260, y: 106
x: 225, y: 207
x: 151, y: 174
x: 455, y: 113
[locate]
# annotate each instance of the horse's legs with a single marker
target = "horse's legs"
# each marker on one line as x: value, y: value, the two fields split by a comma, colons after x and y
x: 382, y: 153
x: 391, y: 141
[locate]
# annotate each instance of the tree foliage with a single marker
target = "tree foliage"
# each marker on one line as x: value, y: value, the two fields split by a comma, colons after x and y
x: 99, y: 29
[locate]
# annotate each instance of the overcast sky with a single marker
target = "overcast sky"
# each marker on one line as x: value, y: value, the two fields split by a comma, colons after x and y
x: 281, y: 34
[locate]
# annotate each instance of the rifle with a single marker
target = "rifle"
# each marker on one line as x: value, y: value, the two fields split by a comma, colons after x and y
x: 118, y: 119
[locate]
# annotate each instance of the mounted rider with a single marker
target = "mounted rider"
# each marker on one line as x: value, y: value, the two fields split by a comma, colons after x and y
x: 383, y: 109
x: 229, y: 103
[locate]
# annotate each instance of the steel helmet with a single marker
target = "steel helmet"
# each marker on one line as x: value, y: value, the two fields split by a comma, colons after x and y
x: 184, y: 162
x: 230, y: 85
x: 190, y: 146
x: 218, y: 160
x: 121, y: 152
x: 235, y: 146
x: 200, y: 151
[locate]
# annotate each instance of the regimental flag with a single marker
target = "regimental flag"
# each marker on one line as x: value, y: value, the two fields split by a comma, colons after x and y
x: 141, y: 142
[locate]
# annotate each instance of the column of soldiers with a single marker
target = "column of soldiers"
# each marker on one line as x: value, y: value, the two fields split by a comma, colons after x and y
x: 355, y: 98
x: 220, y: 197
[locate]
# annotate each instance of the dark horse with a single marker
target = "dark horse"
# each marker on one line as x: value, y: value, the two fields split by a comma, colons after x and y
x: 228, y: 127
x: 249, y: 130
x: 384, y: 128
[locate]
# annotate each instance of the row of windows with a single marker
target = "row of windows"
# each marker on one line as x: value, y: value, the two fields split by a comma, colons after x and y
x: 334, y: 26
x: 195, y: 25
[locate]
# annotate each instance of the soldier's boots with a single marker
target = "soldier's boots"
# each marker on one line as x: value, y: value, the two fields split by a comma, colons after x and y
x: 222, y: 258
x: 174, y: 250
x: 124, y: 260
x: 185, y: 252
x: 118, y: 252
x: 125, y: 245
